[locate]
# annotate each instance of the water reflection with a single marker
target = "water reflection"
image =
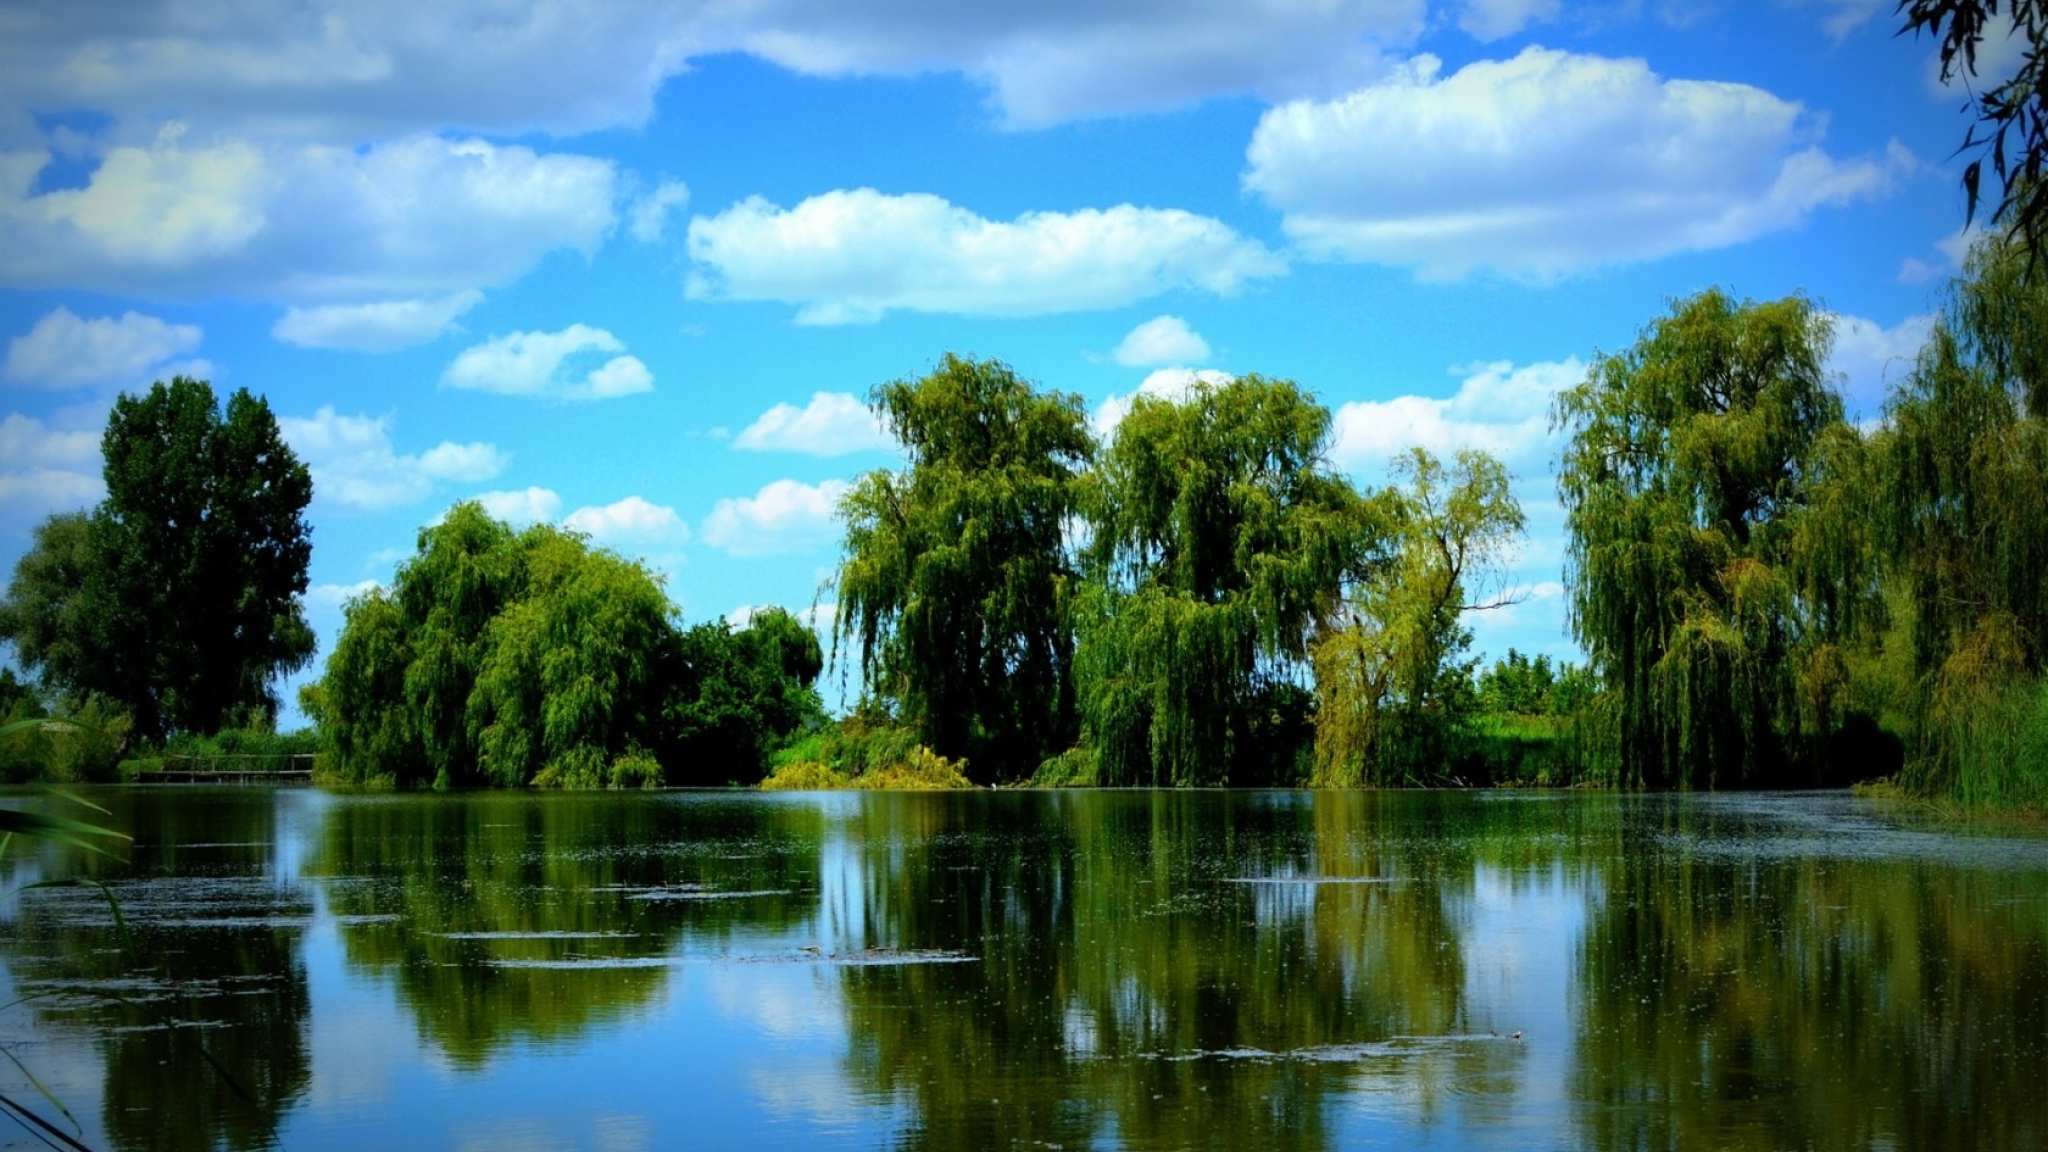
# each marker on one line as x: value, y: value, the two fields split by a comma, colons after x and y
x: 1112, y: 970
x: 1177, y: 970
x: 1857, y: 994
x: 503, y: 919
x: 202, y: 1030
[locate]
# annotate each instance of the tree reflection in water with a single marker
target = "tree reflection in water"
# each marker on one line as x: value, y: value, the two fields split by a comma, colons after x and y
x: 1276, y: 970
x: 217, y: 953
x: 1844, y: 998
x: 508, y: 917
x: 1158, y: 970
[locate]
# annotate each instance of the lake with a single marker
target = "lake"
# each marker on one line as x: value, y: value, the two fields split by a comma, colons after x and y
x: 1088, y: 970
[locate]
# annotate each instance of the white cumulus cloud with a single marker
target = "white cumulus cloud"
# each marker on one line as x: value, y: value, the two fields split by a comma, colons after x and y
x: 784, y: 516
x: 852, y: 256
x: 379, y: 326
x: 832, y: 424
x: 1172, y: 384
x: 28, y: 442
x: 334, y: 597
x: 1161, y: 340
x: 648, y: 219
x: 34, y: 493
x: 1497, y: 408
x: 1871, y: 359
x: 397, y: 219
x: 44, y: 469
x: 337, y: 70
x: 1845, y: 16
x: 550, y: 364
x: 355, y: 465
x: 521, y: 507
x: 1491, y: 20
x: 632, y: 520
x: 1545, y: 164
x: 65, y: 350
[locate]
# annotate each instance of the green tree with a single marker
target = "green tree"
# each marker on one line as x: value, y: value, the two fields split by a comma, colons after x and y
x: 957, y: 569
x: 183, y: 601
x: 742, y: 695
x: 521, y: 658
x: 1962, y: 467
x: 574, y: 671
x: 1221, y: 540
x: 1518, y: 685
x: 497, y: 656
x: 1391, y: 680
x: 43, y: 615
x: 1692, y: 488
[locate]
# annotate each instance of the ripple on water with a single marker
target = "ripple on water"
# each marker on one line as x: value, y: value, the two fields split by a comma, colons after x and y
x: 1313, y: 880
x: 536, y: 935
x: 866, y: 957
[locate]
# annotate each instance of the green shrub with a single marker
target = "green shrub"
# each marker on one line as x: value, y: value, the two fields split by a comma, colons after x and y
x: 921, y: 770
x: 1074, y: 768
x: 804, y: 776
x: 859, y: 753
x: 1998, y: 750
x: 585, y: 768
x: 82, y: 743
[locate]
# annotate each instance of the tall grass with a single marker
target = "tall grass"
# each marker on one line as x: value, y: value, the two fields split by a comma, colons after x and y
x: 1993, y: 755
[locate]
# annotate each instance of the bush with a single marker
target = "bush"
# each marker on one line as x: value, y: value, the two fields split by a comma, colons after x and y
x: 82, y: 743
x: 585, y: 768
x: 804, y: 776
x: 1998, y: 750
x: 1077, y: 767
x: 859, y: 753
x: 922, y: 770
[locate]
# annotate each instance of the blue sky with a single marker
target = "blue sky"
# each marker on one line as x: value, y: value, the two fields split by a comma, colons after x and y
x: 631, y: 266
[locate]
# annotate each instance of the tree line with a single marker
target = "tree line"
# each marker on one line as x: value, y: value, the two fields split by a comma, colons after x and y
x: 1767, y: 594
x: 1201, y: 600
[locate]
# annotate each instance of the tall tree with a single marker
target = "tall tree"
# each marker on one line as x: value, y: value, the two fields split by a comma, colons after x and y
x: 510, y: 659
x: 186, y: 605
x: 43, y: 615
x: 496, y: 657
x: 1689, y: 485
x: 1220, y: 542
x: 957, y: 570
x: 741, y: 694
x: 1390, y: 678
x: 1962, y: 468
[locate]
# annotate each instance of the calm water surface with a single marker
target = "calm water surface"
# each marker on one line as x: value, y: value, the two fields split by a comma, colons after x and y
x: 1070, y: 971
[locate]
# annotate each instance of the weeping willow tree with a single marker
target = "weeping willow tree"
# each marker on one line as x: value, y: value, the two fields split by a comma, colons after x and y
x: 1691, y: 484
x: 1220, y: 541
x: 523, y: 658
x: 392, y: 701
x: 957, y: 571
x: 1390, y: 678
x: 571, y: 690
x: 1962, y: 465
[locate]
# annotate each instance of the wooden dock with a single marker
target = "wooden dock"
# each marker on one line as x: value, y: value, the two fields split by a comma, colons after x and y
x: 244, y: 769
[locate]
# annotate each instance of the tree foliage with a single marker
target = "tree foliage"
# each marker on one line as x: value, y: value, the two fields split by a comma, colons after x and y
x: 1962, y: 467
x: 2012, y: 115
x: 742, y: 692
x: 1391, y: 681
x: 957, y: 571
x: 531, y: 658
x: 1220, y: 542
x: 181, y: 602
x: 44, y: 615
x: 1692, y: 490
